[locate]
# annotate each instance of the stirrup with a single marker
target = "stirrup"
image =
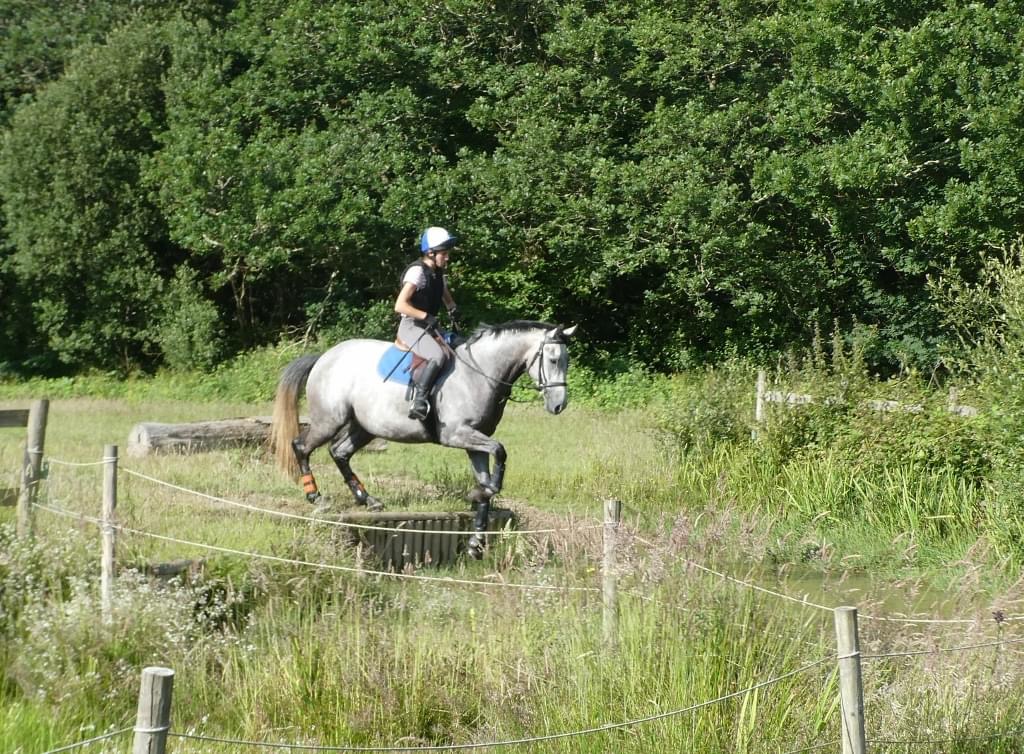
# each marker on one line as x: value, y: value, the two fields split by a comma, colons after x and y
x: 419, y: 410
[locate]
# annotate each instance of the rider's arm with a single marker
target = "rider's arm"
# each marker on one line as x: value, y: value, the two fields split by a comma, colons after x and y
x: 403, y: 305
x: 449, y: 302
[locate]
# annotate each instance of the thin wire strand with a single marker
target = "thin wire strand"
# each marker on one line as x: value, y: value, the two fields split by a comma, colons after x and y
x: 939, y: 650
x: 58, y: 462
x: 926, y: 742
x: 826, y: 745
x: 345, y: 524
x: 327, y: 566
x: 517, y: 741
x: 79, y: 744
x: 757, y: 588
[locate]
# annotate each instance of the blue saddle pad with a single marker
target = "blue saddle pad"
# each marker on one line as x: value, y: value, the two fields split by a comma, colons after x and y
x: 398, y: 364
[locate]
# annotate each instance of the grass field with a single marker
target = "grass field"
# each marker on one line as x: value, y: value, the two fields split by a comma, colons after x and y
x: 279, y: 652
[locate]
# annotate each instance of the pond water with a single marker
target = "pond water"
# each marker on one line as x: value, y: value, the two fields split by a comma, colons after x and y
x: 879, y: 597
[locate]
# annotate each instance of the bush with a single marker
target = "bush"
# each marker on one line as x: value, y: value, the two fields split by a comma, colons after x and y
x: 632, y: 387
x: 713, y: 407
x: 84, y: 236
x: 189, y: 334
x: 32, y: 571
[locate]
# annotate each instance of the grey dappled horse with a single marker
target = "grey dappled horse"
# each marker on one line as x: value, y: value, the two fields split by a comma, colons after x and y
x: 350, y: 403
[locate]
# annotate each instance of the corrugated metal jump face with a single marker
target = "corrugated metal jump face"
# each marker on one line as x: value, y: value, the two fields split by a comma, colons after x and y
x: 418, y: 538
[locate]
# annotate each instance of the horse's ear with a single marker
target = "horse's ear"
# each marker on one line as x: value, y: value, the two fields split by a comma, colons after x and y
x: 569, y: 331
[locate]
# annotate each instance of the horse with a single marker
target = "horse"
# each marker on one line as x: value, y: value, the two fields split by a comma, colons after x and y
x: 353, y: 399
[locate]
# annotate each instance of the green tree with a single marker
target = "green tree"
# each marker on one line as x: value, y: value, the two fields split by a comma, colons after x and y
x: 297, y: 146
x: 685, y: 180
x: 87, y: 245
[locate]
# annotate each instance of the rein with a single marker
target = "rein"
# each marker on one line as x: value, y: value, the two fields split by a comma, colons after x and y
x: 544, y: 385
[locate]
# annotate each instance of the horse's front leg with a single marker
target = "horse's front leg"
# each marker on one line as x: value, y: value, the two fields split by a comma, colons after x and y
x: 487, y: 485
x: 480, y: 461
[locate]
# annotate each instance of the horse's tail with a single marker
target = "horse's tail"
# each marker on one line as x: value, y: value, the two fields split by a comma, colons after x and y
x: 284, y: 424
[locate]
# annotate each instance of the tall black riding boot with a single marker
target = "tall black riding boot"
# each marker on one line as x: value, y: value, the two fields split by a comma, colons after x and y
x: 421, y: 391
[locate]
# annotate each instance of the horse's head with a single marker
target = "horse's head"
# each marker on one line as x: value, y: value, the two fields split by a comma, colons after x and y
x: 549, y: 367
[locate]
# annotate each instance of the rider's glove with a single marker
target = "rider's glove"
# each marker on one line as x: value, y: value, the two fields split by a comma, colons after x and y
x: 429, y: 322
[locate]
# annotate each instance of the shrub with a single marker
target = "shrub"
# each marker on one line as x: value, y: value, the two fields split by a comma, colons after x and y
x: 189, y: 333
x: 712, y: 407
x: 31, y: 571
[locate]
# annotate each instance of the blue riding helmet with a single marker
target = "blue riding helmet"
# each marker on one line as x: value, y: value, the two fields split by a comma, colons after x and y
x: 436, y: 239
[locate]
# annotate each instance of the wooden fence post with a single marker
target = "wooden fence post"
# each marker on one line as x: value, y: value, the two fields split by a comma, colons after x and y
x: 154, y: 716
x: 108, y: 532
x: 762, y: 383
x: 609, y: 572
x: 851, y: 690
x: 32, y: 466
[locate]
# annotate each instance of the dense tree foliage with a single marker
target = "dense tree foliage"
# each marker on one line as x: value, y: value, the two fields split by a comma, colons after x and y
x: 684, y: 179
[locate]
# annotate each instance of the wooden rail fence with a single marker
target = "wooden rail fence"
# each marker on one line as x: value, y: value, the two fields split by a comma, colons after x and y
x: 764, y: 396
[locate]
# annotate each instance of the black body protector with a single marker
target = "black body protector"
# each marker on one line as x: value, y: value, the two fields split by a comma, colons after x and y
x: 428, y: 299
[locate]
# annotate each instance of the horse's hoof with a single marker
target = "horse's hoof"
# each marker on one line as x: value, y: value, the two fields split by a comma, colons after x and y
x: 322, y: 506
x: 373, y: 504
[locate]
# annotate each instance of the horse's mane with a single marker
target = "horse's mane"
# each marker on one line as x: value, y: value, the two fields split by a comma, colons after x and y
x: 516, y: 325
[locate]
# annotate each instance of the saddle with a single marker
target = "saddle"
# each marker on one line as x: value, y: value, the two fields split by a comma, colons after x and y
x: 399, y: 364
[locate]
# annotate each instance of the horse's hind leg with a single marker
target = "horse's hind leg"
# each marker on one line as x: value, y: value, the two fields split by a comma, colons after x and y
x: 341, y: 451
x: 303, y: 446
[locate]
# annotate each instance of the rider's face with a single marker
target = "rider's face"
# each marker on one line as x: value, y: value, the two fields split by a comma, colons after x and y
x: 440, y: 258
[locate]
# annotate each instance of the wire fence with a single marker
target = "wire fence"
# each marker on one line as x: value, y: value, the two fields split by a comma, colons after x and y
x: 997, y: 615
x: 90, y: 741
x: 856, y: 656
x: 330, y: 522
x: 317, y: 565
x: 149, y: 728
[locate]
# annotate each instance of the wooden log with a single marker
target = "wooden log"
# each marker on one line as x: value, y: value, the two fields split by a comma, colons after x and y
x: 14, y: 417
x: 150, y: 438
x: 11, y: 418
x: 759, y: 391
x: 851, y: 688
x: 108, y: 537
x: 153, y: 437
x: 609, y: 573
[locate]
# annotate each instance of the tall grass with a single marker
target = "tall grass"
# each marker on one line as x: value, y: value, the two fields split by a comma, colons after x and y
x: 867, y: 509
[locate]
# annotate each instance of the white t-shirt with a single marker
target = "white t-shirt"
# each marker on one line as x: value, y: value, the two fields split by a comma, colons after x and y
x: 417, y: 276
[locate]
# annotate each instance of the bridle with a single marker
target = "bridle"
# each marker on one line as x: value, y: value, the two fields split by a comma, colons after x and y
x: 542, y: 385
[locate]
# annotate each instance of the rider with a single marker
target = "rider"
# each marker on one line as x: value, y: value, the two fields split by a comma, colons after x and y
x: 424, y: 289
